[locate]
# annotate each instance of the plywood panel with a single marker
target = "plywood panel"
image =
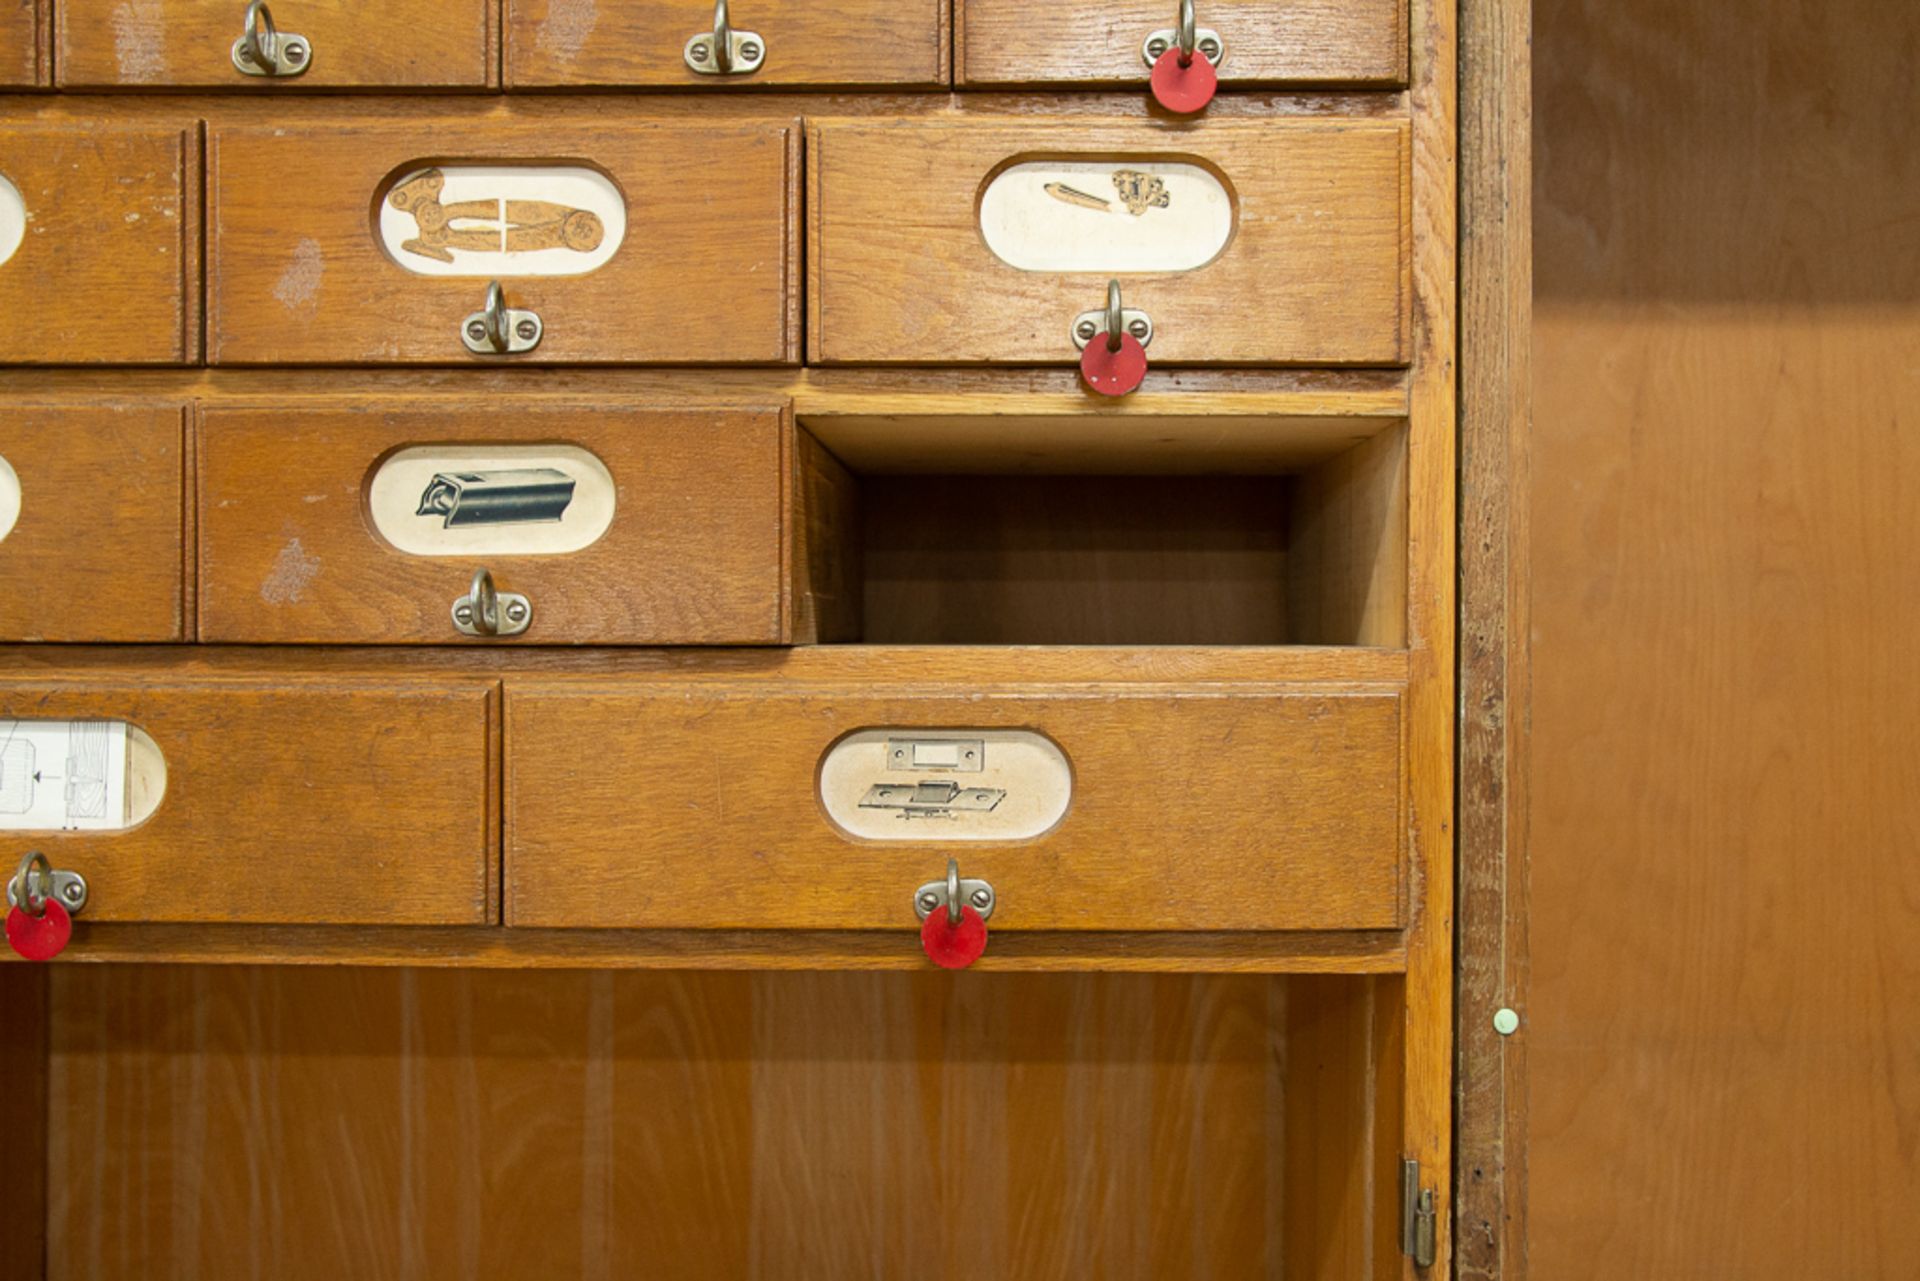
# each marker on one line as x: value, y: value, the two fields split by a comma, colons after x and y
x: 1725, y: 1054
x: 324, y: 1123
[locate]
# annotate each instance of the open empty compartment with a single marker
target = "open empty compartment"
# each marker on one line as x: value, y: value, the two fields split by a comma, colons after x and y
x: 296, y: 1123
x: 1093, y: 531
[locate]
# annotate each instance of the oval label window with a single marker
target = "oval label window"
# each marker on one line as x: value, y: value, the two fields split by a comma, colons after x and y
x: 505, y: 500
x: 1106, y: 216
x: 945, y: 784
x: 78, y: 776
x: 502, y: 220
x: 9, y: 498
x: 13, y: 219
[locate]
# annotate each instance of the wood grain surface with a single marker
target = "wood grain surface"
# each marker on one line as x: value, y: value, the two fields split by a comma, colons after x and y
x: 842, y: 43
x: 696, y: 806
x: 1269, y: 42
x: 24, y: 1066
x: 1315, y: 273
x: 289, y: 801
x: 1725, y: 1046
x: 288, y: 551
x: 300, y: 1124
x: 98, y: 550
x: 438, y: 44
x: 1347, y: 547
x: 712, y: 203
x: 109, y: 268
x: 23, y: 43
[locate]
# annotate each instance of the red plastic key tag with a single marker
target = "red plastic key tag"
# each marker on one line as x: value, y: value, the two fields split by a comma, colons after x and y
x: 1114, y: 372
x: 1184, y: 88
x: 950, y: 946
x: 42, y: 937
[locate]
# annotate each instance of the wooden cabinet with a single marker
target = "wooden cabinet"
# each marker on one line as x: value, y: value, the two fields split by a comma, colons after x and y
x: 321, y: 44
x: 365, y: 525
x: 716, y: 805
x: 660, y: 43
x: 93, y: 523
x: 269, y: 796
x: 23, y: 47
x: 99, y: 243
x: 650, y: 242
x: 1266, y: 42
x: 967, y: 239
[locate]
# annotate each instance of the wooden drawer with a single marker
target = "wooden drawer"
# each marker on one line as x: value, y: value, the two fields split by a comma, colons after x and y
x: 641, y: 242
x: 969, y: 239
x: 442, y: 44
x: 22, y: 45
x: 619, y: 526
x: 803, y: 42
x: 283, y: 799
x: 669, y: 803
x: 99, y: 244
x: 1268, y: 42
x: 92, y: 513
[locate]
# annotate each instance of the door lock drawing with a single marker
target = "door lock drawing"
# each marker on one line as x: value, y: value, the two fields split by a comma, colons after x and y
x: 935, y: 799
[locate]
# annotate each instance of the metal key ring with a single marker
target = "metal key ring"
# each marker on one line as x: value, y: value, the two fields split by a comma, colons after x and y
x: 1116, y: 319
x: 21, y: 887
x: 261, y: 39
x: 953, y: 892
x: 1187, y: 32
x: 486, y: 603
x: 722, y: 38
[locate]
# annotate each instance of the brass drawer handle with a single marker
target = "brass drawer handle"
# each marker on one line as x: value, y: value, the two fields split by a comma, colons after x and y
x: 498, y: 330
x: 262, y: 50
x: 488, y: 613
x: 724, y: 51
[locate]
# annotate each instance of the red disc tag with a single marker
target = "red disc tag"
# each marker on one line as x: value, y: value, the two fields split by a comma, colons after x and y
x: 953, y: 947
x: 1113, y: 373
x: 1184, y: 89
x: 43, y: 937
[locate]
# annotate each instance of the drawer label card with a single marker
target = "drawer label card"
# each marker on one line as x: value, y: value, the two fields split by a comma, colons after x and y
x: 9, y: 498
x: 505, y: 500
x: 1106, y: 216
x: 502, y: 220
x: 77, y: 776
x: 13, y: 218
x: 945, y: 784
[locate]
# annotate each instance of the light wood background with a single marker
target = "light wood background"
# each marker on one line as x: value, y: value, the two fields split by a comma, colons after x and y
x: 1725, y: 1017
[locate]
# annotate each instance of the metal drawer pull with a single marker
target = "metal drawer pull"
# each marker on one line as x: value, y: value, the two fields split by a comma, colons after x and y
x: 38, y: 880
x: 724, y: 51
x: 1112, y: 320
x: 1187, y: 37
x: 954, y: 894
x: 262, y: 50
x: 489, y: 613
x: 498, y: 331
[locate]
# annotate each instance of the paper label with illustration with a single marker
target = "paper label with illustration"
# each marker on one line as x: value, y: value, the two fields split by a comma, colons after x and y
x: 1106, y: 216
x: 63, y: 775
x: 502, y: 220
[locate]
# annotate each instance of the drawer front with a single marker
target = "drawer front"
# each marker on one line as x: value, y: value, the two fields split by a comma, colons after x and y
x: 98, y: 244
x: 970, y: 240
x: 801, y: 42
x: 334, y: 44
x: 641, y: 243
x: 709, y: 807
x: 618, y: 527
x: 1267, y: 42
x: 22, y: 49
x: 280, y: 800
x: 92, y: 514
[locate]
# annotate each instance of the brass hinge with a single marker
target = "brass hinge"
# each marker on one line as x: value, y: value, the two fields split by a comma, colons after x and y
x: 1416, y: 1217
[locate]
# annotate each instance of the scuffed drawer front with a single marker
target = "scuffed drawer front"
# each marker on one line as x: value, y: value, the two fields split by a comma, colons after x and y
x: 642, y: 242
x: 99, y: 252
x: 22, y: 49
x: 977, y: 239
x: 607, y: 527
x: 843, y: 43
x: 1266, y: 42
x: 674, y: 804
x: 92, y: 513
x: 272, y: 799
x: 313, y: 44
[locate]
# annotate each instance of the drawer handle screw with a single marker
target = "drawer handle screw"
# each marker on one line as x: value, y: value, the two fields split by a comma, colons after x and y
x: 724, y: 51
x: 263, y: 50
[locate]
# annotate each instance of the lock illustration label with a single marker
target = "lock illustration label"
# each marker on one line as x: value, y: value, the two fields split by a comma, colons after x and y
x: 1106, y: 216
x: 945, y: 784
